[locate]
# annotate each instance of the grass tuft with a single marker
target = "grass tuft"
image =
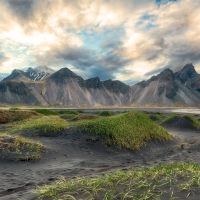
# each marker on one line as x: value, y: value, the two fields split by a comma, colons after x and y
x: 194, y: 122
x: 131, y: 130
x: 87, y: 117
x: 7, y: 116
x: 74, y: 112
x: 158, y: 182
x: 171, y: 117
x: 14, y: 108
x: 20, y: 148
x: 156, y: 117
x: 68, y: 116
x: 105, y: 113
x: 42, y: 124
x: 45, y: 111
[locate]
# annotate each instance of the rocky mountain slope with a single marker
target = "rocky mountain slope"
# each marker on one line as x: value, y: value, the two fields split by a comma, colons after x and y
x: 63, y: 87
x: 43, y: 86
x: 168, y: 89
x: 36, y: 74
x: 39, y: 73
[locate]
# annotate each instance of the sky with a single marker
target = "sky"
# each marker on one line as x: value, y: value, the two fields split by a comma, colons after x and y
x: 126, y: 40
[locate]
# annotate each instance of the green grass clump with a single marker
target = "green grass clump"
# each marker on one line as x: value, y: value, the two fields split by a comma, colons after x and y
x: 20, y: 148
x: 169, y: 118
x: 45, y: 111
x: 131, y: 130
x: 80, y: 111
x: 156, y: 117
x: 68, y: 116
x: 105, y: 113
x: 7, y: 116
x: 74, y: 112
x: 42, y: 124
x: 86, y: 117
x: 79, y: 117
x: 194, y: 122
x: 14, y: 108
x: 169, y: 181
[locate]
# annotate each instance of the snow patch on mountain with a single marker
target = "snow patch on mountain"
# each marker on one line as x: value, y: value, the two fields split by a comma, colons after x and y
x: 39, y: 73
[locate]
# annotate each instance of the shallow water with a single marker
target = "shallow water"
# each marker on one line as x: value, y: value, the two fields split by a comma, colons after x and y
x: 191, y: 111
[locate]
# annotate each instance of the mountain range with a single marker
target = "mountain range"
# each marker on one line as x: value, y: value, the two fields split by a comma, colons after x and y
x: 43, y: 86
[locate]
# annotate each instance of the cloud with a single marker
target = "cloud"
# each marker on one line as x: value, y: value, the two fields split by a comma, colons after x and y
x: 2, y: 76
x: 125, y: 40
x: 154, y: 72
x: 41, y: 26
x: 88, y: 62
x: 171, y: 41
x: 21, y: 8
x: 48, y: 15
x: 3, y: 57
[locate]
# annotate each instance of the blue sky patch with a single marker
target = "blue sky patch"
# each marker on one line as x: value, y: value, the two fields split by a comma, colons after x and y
x: 159, y: 2
x: 93, y: 40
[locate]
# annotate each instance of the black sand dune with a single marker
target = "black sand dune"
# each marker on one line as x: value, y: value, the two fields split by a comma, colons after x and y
x: 74, y: 154
x: 81, y: 155
x: 180, y: 122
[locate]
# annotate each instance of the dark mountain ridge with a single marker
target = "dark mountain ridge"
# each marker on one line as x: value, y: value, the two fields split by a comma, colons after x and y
x: 168, y: 88
x: 186, y: 74
x: 35, y: 74
x: 64, y: 87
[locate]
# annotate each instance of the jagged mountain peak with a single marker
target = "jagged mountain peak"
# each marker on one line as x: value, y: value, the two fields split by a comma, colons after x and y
x: 116, y: 86
x: 41, y: 69
x: 93, y: 83
x: 67, y: 72
x: 16, y: 74
x: 38, y: 73
x: 166, y: 75
x: 63, y: 74
x: 189, y: 66
x: 187, y: 73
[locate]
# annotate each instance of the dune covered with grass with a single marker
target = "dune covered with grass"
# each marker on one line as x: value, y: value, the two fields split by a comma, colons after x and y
x: 181, y: 121
x: 18, y: 148
x: 130, y: 130
x: 49, y: 125
x: 7, y: 116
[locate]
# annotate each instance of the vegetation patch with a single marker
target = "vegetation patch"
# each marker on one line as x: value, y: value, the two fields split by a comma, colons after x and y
x: 19, y: 148
x: 7, y: 116
x: 193, y: 121
x: 45, y: 111
x: 74, y: 112
x: 86, y: 117
x: 80, y: 111
x: 68, y: 116
x: 14, y: 108
x: 171, y: 181
x: 42, y: 125
x: 182, y: 121
x: 171, y: 117
x: 131, y: 130
x: 156, y: 117
x: 105, y: 113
